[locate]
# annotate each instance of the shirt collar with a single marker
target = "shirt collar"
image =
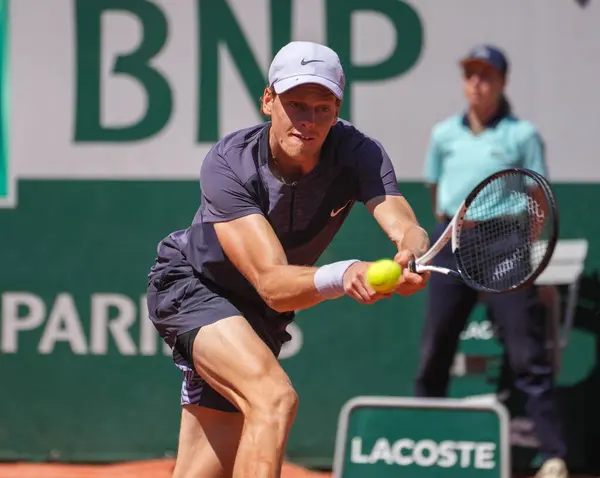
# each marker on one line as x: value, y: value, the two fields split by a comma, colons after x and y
x: 502, y: 113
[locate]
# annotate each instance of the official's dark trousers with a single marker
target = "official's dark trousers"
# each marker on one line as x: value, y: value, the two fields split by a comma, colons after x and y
x: 520, y: 320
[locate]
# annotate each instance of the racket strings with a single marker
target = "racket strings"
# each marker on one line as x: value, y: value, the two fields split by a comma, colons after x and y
x: 504, y: 236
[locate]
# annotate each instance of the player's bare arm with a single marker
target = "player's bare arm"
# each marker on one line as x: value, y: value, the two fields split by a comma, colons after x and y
x: 398, y: 221
x: 252, y: 246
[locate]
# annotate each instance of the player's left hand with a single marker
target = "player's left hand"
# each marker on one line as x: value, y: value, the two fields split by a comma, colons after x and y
x: 410, y: 282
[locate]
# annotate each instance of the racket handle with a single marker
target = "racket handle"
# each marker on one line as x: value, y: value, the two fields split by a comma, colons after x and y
x: 412, y: 267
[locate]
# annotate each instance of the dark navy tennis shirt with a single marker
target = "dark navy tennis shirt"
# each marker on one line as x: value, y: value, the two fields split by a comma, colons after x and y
x: 235, y: 181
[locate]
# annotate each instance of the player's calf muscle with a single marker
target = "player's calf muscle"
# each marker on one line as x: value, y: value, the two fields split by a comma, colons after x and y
x: 267, y: 426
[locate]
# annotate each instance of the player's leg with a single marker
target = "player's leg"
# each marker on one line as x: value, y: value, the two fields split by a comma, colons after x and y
x: 231, y: 357
x: 236, y: 363
x: 449, y: 304
x: 208, y: 441
x: 521, y: 322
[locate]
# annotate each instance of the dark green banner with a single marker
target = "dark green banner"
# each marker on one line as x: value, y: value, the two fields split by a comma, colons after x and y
x: 74, y: 335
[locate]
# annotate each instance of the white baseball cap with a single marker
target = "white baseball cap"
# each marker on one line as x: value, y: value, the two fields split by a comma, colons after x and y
x: 302, y: 62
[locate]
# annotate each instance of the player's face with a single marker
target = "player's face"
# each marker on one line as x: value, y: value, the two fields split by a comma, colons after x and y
x: 301, y: 119
x: 483, y: 84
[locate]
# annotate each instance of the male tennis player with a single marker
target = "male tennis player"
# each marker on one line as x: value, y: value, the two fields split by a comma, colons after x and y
x: 223, y: 291
x: 464, y: 150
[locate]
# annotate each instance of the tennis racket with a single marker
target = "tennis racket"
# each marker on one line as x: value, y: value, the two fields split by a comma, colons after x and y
x: 502, y: 236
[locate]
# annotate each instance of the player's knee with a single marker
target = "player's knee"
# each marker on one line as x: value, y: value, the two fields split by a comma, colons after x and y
x: 281, y: 400
x: 285, y: 400
x: 278, y: 401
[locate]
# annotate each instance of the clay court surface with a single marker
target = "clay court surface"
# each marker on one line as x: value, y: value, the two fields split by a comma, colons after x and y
x: 145, y: 469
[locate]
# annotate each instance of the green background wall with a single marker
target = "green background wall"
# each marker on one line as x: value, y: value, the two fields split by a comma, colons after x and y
x: 89, y: 240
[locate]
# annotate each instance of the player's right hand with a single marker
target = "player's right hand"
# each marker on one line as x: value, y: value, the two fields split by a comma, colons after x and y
x: 357, y: 287
x: 410, y: 282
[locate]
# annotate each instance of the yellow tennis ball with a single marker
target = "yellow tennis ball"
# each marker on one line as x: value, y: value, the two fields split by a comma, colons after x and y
x: 383, y: 275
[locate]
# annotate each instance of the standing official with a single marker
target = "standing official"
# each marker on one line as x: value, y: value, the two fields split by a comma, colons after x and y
x: 465, y: 149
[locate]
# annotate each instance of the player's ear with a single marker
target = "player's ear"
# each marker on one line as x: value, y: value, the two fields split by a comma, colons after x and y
x: 266, y: 107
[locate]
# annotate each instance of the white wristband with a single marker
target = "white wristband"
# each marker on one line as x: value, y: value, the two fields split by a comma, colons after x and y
x: 329, y: 279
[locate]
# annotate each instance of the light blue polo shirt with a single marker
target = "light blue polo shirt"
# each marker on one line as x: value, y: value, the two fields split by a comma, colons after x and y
x: 458, y: 160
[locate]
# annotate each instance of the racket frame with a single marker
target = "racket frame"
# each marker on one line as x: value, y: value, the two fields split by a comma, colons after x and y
x: 452, y: 233
x: 423, y: 263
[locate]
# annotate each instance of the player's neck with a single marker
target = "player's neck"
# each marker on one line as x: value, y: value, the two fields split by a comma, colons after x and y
x: 284, y: 167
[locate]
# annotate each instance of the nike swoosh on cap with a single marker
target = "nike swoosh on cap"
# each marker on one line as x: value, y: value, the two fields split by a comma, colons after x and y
x: 304, y: 61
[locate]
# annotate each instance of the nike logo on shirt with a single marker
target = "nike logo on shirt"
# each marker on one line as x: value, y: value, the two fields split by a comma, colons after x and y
x: 335, y: 212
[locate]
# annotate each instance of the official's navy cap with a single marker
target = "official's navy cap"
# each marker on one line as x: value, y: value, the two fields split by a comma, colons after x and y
x: 489, y: 54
